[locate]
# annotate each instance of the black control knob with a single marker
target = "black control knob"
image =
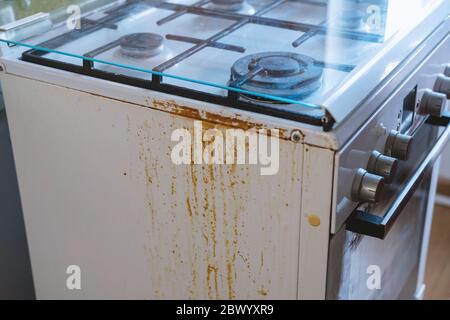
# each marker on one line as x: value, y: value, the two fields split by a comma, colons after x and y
x: 442, y: 85
x: 433, y: 103
x: 383, y: 166
x: 447, y: 70
x: 398, y: 145
x: 366, y: 187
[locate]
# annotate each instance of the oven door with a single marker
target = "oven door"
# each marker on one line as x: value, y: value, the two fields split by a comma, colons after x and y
x: 377, y: 254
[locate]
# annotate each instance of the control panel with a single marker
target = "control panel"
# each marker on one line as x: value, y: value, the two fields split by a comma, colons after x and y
x: 368, y: 166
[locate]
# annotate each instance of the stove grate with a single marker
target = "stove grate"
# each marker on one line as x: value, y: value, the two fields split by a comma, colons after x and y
x: 114, y: 15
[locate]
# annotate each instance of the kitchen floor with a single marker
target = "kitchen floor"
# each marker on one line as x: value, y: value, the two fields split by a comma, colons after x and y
x: 438, y: 269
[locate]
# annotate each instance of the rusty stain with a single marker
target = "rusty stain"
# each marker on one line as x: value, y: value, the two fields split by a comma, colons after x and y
x: 232, y: 253
x: 213, y: 221
x: 188, y: 203
x: 230, y: 279
x: 221, y: 270
x: 194, y: 185
x: 173, y: 108
x: 148, y: 177
x: 173, y: 191
x: 262, y: 291
x: 230, y: 121
x: 262, y: 258
x: 195, y: 263
x: 194, y: 274
x: 213, y: 270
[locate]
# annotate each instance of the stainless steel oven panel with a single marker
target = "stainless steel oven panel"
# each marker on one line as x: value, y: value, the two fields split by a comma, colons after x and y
x: 377, y: 220
x: 424, y: 140
x: 373, y: 135
x: 354, y: 258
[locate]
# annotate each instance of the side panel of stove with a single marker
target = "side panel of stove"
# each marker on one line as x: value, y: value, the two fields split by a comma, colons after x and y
x: 393, y: 115
x: 100, y: 191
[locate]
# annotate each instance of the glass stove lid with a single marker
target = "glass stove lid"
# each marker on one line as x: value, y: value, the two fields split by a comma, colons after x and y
x: 284, y: 56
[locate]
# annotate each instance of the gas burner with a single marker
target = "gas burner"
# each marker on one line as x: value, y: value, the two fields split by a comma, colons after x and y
x: 141, y: 45
x: 282, y: 74
x: 240, y: 6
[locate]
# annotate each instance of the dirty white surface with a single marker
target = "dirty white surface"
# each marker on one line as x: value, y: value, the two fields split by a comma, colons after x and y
x: 100, y: 191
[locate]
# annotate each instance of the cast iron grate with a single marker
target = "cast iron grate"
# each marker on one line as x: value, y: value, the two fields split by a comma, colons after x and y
x: 233, y: 98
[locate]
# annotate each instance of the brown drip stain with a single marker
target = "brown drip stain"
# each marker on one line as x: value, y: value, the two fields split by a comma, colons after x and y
x: 213, y: 221
x: 194, y: 277
x: 143, y: 156
x: 212, y: 270
x: 262, y: 258
x: 194, y: 261
x: 148, y: 177
x: 173, y: 189
x: 230, y: 280
x: 211, y: 224
x: 188, y: 203
x: 232, y: 245
x: 194, y: 185
x: 262, y: 291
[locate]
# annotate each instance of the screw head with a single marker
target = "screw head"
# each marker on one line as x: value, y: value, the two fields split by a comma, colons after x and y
x: 325, y: 120
x: 296, y: 136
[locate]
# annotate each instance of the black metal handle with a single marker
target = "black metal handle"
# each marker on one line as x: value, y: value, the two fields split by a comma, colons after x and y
x: 378, y: 226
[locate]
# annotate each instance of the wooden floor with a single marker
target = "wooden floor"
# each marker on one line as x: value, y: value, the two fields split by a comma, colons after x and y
x: 437, y: 277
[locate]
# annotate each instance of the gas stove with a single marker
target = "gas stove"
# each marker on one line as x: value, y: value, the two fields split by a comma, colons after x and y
x: 277, y: 57
x: 351, y: 94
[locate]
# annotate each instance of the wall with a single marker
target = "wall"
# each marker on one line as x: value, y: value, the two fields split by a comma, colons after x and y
x: 15, y: 271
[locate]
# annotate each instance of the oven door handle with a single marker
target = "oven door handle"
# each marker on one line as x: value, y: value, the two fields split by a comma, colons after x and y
x: 378, y: 226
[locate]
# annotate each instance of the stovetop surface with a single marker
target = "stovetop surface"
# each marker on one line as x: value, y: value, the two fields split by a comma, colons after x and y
x: 282, y: 57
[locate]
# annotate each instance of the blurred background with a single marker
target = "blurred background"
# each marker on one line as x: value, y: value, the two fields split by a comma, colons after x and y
x: 15, y: 271
x: 18, y: 9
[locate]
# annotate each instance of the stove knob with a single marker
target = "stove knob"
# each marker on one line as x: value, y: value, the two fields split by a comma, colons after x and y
x: 398, y: 145
x: 383, y: 166
x: 442, y: 85
x: 447, y: 70
x: 433, y: 103
x: 367, y: 187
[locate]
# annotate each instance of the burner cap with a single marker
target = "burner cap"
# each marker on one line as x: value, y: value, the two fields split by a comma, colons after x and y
x: 282, y: 74
x: 235, y: 4
x: 240, y: 6
x: 141, y: 45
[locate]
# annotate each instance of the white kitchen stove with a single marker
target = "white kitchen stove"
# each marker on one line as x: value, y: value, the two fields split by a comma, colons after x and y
x: 352, y: 88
